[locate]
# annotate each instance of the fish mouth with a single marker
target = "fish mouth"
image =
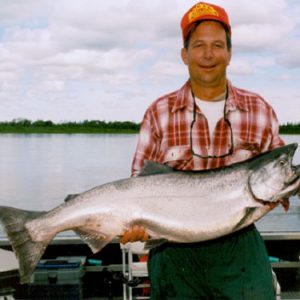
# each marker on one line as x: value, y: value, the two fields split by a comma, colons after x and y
x: 295, y: 177
x: 292, y: 185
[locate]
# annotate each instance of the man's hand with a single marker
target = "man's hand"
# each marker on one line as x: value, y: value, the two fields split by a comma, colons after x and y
x: 134, y: 234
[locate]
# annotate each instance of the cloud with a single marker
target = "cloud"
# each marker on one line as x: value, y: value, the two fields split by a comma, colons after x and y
x: 122, y: 24
x: 15, y: 11
x: 240, y: 67
x: 163, y: 70
x: 290, y: 57
x: 29, y: 44
x: 260, y: 25
x: 255, y: 12
x: 52, y: 85
x: 98, y: 59
x: 257, y: 37
x: 91, y: 42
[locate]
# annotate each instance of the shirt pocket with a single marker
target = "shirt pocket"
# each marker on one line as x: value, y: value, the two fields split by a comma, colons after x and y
x: 177, y: 156
x: 243, y: 150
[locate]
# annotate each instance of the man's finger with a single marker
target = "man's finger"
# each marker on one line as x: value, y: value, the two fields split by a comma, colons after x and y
x: 126, y: 236
x: 137, y: 233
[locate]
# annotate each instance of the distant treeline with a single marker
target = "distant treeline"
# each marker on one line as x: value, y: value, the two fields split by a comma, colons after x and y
x: 290, y: 128
x: 87, y: 126
x: 93, y: 126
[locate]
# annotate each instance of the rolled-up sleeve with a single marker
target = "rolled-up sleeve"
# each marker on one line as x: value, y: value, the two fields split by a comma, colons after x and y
x: 276, y: 141
x: 148, y: 143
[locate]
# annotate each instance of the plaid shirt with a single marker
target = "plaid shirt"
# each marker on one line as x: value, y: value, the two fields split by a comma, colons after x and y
x: 166, y: 133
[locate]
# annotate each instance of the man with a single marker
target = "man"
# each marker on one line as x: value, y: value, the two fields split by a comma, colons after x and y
x: 207, y: 123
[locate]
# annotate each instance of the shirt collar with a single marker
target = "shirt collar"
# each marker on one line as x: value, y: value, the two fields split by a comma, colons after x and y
x: 184, y: 99
x: 235, y: 99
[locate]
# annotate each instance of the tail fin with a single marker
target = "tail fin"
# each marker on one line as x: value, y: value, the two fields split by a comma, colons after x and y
x: 27, y: 251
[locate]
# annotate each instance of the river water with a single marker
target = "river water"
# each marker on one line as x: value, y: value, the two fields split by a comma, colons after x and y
x: 38, y: 170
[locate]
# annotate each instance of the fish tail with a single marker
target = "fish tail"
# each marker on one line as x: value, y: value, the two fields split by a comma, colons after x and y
x: 27, y: 251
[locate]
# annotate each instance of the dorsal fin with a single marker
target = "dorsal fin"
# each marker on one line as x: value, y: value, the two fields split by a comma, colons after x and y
x: 70, y: 197
x: 152, y: 168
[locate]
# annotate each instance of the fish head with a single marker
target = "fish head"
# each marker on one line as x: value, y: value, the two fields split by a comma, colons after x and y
x: 273, y: 177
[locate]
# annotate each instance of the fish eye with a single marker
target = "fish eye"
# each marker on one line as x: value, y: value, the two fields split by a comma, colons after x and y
x: 282, y: 162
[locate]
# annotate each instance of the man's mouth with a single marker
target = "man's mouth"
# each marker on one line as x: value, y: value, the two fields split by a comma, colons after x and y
x: 210, y: 67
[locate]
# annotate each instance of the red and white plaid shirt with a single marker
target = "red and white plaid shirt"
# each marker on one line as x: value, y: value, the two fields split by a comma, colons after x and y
x: 166, y: 131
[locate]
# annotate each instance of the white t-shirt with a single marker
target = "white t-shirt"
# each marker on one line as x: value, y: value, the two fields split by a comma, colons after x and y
x: 213, y: 111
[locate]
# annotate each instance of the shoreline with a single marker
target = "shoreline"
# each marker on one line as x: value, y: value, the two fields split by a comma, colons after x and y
x: 53, y: 130
x: 94, y: 127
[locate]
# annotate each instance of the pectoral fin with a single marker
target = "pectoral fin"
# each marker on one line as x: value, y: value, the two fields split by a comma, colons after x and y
x: 249, y: 211
x: 152, y: 243
x: 95, y: 240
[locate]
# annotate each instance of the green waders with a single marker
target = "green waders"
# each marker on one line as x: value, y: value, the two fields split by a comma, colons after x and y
x: 234, y: 267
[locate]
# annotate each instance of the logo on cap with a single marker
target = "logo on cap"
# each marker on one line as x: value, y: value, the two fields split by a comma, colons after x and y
x: 202, y: 9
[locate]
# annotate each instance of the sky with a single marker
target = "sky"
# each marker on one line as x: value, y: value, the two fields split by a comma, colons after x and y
x: 75, y: 60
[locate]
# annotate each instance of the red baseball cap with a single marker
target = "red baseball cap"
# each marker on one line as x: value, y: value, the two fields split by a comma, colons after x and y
x: 203, y: 11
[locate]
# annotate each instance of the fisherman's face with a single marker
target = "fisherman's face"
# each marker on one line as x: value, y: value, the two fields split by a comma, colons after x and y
x: 207, y: 55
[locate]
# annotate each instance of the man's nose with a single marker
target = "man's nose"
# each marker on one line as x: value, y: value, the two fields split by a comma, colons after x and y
x: 208, y: 52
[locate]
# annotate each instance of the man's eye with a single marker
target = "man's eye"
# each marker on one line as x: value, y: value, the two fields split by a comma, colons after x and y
x: 219, y: 45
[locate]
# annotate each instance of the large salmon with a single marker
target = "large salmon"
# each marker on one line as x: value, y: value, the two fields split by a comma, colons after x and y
x: 173, y: 205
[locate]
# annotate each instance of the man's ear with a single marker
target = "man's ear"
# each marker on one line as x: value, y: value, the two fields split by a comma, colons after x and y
x: 184, y: 56
x: 229, y: 57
